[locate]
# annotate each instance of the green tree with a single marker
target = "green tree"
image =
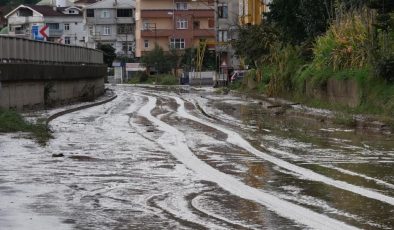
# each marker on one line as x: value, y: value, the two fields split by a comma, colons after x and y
x: 300, y: 20
x: 254, y: 43
x: 109, y: 53
x: 157, y: 59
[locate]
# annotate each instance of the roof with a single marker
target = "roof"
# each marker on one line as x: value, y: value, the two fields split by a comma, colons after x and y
x: 47, y: 11
x: 52, y: 2
x: 85, y: 2
x: 109, y: 4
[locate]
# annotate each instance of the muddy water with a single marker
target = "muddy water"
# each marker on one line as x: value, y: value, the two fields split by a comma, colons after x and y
x: 151, y: 159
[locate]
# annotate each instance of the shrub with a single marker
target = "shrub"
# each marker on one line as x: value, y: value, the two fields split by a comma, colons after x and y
x: 168, y: 80
x: 286, y: 61
x: 345, y: 45
x: 384, y: 68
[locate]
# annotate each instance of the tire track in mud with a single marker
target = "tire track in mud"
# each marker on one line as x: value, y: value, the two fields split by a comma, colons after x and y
x: 235, y: 139
x: 174, y: 141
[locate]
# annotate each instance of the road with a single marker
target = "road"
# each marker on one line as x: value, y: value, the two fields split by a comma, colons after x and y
x: 180, y: 159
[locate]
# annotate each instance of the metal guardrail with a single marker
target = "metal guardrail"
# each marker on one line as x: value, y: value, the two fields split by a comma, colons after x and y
x: 14, y: 49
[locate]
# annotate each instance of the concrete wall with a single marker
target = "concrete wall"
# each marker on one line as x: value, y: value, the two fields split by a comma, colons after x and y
x: 27, y: 86
x: 345, y: 92
x: 203, y: 78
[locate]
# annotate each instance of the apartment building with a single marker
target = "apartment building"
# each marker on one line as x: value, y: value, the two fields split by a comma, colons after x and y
x: 65, y: 24
x: 251, y: 12
x: 227, y: 26
x: 111, y: 22
x: 177, y: 24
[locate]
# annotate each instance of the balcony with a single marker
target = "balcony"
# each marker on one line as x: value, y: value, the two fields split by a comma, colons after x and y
x: 204, y: 33
x: 156, y: 33
x: 169, y: 13
x: 156, y: 13
x: 55, y: 33
x: 123, y: 20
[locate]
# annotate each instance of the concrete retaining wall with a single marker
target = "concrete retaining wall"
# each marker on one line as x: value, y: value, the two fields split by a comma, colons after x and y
x: 345, y: 92
x: 203, y: 78
x: 29, y: 86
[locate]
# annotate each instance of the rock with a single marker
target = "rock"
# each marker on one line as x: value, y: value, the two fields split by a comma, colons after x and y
x: 150, y: 130
x: 58, y: 155
x: 82, y: 158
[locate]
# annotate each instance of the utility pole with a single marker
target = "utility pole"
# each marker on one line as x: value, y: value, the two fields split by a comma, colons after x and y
x: 217, y: 59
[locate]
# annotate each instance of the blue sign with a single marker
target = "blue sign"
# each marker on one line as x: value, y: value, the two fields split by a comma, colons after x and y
x: 35, y: 31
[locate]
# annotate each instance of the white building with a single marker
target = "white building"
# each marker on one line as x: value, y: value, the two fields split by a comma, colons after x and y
x: 112, y: 22
x: 65, y: 23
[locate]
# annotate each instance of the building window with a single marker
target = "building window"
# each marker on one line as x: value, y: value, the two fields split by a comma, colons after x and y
x: 196, y: 25
x: 125, y: 29
x: 122, y: 13
x: 107, y: 30
x: 181, y: 5
x: 177, y: 43
x: 222, y: 10
x: 211, y: 22
x: 53, y: 26
x: 105, y: 14
x: 67, y: 40
x: 222, y: 35
x: 181, y: 24
x: 67, y: 26
x: 91, y: 31
x: 146, y: 43
x: 90, y: 13
x: 127, y: 47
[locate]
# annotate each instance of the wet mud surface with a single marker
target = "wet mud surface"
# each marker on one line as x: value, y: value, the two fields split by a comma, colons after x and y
x: 162, y: 159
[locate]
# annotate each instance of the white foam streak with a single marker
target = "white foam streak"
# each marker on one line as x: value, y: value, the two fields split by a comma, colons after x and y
x: 174, y: 141
x: 236, y: 139
x: 384, y: 183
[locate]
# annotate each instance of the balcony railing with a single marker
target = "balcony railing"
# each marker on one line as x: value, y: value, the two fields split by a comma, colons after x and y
x: 55, y: 33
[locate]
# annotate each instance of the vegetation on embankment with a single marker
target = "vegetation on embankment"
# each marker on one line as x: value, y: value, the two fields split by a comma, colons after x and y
x: 346, y: 41
x: 160, y: 79
x: 11, y: 121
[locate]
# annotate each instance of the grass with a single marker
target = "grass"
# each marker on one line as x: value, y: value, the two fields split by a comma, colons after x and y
x: 345, y: 119
x: 162, y: 79
x: 11, y: 121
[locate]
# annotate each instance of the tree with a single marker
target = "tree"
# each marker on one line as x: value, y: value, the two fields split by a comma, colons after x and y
x: 254, y: 43
x: 300, y: 20
x: 157, y: 59
x: 109, y: 53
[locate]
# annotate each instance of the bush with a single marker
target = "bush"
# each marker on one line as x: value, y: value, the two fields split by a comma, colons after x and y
x: 384, y: 68
x: 345, y: 45
x: 286, y: 61
x: 167, y: 80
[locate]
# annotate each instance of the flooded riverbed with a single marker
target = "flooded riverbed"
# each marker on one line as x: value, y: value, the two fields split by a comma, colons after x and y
x: 156, y: 159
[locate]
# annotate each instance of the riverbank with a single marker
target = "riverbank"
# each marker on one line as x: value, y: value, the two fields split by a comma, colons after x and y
x: 317, y: 108
x: 34, y: 124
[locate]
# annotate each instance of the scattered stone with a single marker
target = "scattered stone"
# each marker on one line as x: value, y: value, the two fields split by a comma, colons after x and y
x: 82, y: 158
x: 58, y: 155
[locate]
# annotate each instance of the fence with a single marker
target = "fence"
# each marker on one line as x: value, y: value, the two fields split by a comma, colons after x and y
x: 13, y: 49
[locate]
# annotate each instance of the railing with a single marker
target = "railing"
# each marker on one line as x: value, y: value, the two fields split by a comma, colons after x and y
x: 13, y: 49
x: 55, y: 33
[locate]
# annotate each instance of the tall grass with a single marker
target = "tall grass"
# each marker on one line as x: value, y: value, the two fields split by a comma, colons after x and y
x: 286, y: 61
x: 346, y: 43
x: 11, y: 121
